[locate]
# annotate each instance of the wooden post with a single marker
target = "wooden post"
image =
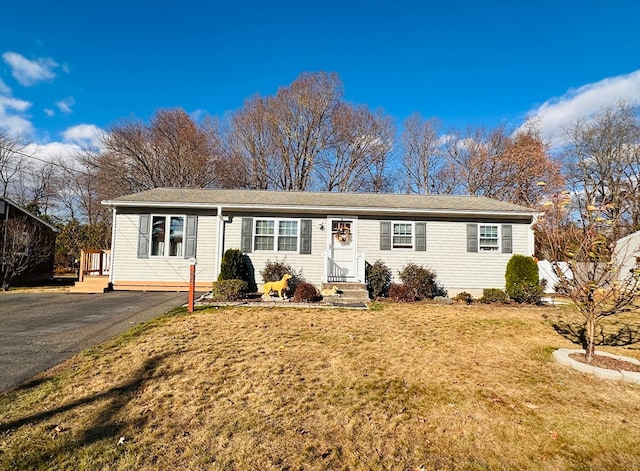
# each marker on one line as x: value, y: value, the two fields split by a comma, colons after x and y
x: 192, y: 283
x: 81, y: 268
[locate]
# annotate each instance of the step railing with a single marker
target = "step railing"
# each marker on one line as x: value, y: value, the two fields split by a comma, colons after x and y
x: 94, y: 263
x: 333, y: 273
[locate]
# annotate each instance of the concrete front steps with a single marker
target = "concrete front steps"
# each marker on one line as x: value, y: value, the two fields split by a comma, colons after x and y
x: 348, y: 293
x: 91, y: 284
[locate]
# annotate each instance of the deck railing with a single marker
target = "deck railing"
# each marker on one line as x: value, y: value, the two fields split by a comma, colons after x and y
x: 94, y: 263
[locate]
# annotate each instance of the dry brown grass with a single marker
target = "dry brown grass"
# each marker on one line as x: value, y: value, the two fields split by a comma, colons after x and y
x: 408, y: 387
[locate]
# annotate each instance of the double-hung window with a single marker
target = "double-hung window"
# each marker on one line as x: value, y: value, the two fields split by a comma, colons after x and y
x: 489, y: 238
x: 277, y: 235
x: 167, y: 234
x: 402, y: 237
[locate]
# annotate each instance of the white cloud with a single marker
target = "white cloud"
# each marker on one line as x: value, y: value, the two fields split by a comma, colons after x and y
x: 74, y: 140
x: 52, y: 150
x: 49, y: 112
x: 4, y: 89
x: 65, y: 104
x: 11, y: 115
x: 556, y: 114
x: 83, y: 135
x: 29, y: 72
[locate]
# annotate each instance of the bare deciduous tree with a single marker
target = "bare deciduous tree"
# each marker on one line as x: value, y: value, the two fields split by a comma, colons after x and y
x: 306, y: 137
x: 591, y: 267
x: 603, y: 162
x: 11, y: 160
x: 361, y: 144
x: 498, y: 165
x: 36, y: 187
x: 299, y: 120
x: 172, y: 150
x: 79, y: 188
x: 422, y: 154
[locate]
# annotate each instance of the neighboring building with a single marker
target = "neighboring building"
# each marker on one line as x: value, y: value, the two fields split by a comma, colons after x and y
x: 627, y: 254
x: 45, y: 237
x: 328, y: 237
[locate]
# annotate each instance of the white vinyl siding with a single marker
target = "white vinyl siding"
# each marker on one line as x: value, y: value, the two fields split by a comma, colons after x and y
x: 447, y: 254
x: 311, y: 265
x: 126, y: 266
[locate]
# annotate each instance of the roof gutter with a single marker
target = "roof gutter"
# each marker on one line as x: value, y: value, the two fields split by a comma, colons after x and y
x: 325, y: 209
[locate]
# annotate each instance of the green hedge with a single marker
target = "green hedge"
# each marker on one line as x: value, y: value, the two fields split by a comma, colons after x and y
x: 229, y: 290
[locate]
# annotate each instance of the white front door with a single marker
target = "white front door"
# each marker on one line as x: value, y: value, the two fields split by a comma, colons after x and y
x: 342, y: 264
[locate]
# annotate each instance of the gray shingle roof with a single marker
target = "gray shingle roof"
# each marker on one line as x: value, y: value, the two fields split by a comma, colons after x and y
x: 361, y: 202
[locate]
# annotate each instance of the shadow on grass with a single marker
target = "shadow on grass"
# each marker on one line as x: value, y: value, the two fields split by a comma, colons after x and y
x: 627, y: 334
x: 106, y: 424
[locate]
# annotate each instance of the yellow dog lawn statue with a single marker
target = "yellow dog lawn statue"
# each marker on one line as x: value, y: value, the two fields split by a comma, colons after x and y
x: 278, y: 286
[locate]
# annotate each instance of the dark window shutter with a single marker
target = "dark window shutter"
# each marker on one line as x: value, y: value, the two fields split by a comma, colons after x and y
x: 143, y: 236
x: 385, y: 235
x: 507, y: 239
x: 191, y: 234
x: 305, y: 236
x: 421, y: 236
x: 472, y: 237
x: 246, y: 238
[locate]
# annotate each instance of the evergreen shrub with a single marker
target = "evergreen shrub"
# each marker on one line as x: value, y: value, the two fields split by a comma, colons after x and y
x: 494, y: 295
x: 463, y: 297
x: 522, y: 280
x: 378, y: 279
x: 229, y: 290
x: 233, y: 266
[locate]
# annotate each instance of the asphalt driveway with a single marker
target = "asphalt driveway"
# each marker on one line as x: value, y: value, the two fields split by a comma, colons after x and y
x: 41, y: 329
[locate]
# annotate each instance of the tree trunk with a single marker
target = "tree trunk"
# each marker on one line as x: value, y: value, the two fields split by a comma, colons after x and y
x: 590, y: 325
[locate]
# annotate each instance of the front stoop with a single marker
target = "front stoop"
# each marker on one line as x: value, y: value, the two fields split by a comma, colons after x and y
x: 348, y: 293
x: 91, y: 284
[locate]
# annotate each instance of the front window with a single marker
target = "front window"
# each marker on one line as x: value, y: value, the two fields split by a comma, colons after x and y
x: 166, y: 236
x: 488, y: 238
x: 279, y: 235
x: 402, y: 235
x: 264, y: 234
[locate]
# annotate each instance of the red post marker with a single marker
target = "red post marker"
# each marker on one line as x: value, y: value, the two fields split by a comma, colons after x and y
x: 192, y: 283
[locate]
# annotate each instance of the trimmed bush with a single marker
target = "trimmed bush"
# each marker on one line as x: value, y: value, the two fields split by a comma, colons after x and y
x: 306, y: 293
x: 422, y: 281
x: 229, y: 290
x: 401, y: 293
x: 463, y: 297
x: 522, y: 280
x: 378, y: 279
x: 233, y: 266
x: 494, y: 295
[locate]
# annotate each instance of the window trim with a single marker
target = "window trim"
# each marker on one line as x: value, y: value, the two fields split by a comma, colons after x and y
x: 276, y: 234
x: 498, y: 246
x: 167, y: 218
x: 413, y: 235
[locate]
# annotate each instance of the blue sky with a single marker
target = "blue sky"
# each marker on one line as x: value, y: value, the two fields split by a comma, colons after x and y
x: 69, y: 69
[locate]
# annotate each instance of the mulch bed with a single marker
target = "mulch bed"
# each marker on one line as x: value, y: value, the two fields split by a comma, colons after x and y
x: 608, y: 363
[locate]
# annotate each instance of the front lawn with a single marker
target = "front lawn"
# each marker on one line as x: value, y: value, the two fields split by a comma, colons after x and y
x: 412, y: 386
